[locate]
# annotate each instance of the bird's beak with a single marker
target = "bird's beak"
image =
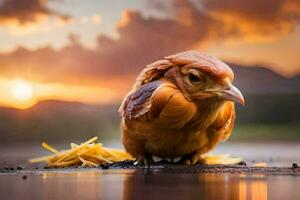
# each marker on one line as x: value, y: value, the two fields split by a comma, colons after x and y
x: 232, y: 93
x: 229, y: 93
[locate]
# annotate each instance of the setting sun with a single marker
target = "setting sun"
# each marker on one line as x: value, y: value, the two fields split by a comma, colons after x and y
x: 23, y: 93
x: 21, y: 90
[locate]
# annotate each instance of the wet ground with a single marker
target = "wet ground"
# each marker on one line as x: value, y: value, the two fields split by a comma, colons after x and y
x: 280, y: 180
x: 148, y: 183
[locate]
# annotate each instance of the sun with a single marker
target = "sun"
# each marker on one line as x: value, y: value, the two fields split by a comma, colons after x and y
x: 21, y: 90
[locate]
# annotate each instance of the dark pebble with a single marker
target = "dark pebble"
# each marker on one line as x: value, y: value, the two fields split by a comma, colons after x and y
x: 163, y: 162
x: 242, y: 163
x: 6, y: 168
x: 294, y: 165
x: 128, y: 162
x: 20, y: 167
x: 104, y: 165
x: 124, y: 164
x: 11, y: 168
x: 24, y: 177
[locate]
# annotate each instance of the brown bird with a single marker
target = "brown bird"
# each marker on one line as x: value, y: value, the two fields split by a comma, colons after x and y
x: 180, y: 108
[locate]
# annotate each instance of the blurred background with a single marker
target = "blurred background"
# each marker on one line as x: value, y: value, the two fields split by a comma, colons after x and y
x: 65, y: 65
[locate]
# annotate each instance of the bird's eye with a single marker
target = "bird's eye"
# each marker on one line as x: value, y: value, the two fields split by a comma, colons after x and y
x: 193, y: 78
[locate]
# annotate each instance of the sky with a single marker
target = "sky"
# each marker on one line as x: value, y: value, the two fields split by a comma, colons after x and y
x: 90, y: 51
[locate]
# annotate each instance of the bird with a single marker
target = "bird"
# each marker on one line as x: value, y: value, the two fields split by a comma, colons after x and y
x: 179, y: 108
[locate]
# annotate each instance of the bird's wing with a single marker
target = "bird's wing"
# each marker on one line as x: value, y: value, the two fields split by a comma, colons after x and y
x: 225, y: 121
x: 137, y: 102
x: 176, y: 111
x: 158, y: 100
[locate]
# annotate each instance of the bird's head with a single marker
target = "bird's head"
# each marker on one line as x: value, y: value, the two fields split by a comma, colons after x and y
x: 203, y: 78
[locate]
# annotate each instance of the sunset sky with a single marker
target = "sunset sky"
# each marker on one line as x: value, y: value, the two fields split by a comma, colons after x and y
x: 90, y: 51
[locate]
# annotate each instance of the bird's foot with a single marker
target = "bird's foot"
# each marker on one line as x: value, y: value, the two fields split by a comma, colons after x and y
x: 143, y: 160
x: 193, y: 159
x: 170, y: 160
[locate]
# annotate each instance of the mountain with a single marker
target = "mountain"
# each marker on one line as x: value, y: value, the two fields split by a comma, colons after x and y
x: 261, y: 80
x: 52, y: 120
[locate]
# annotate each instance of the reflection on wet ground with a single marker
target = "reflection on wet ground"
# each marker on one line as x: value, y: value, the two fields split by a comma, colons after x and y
x: 147, y: 184
x: 154, y: 183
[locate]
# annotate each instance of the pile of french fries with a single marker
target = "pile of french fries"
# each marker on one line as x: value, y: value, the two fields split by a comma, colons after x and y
x: 93, y: 154
x: 89, y: 154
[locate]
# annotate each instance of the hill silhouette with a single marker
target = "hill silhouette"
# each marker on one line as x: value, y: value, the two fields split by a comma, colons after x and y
x: 261, y: 80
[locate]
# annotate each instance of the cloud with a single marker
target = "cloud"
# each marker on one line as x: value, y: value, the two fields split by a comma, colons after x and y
x: 143, y: 40
x: 96, y: 19
x: 92, y: 19
x: 255, y: 19
x: 26, y: 11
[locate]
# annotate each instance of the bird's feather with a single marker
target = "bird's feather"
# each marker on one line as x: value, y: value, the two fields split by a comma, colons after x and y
x: 225, y: 121
x: 174, y: 109
x: 153, y: 72
x: 209, y: 64
x: 138, y: 102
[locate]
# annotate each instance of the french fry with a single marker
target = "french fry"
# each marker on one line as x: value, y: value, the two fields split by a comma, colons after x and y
x: 260, y: 164
x: 49, y: 148
x: 223, y: 159
x: 73, y: 145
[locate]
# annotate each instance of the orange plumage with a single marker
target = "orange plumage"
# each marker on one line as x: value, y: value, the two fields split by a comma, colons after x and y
x: 180, y: 108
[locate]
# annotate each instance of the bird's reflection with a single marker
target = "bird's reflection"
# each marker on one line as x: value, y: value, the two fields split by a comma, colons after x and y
x: 158, y: 185
x: 253, y: 187
x: 153, y: 184
x: 74, y: 185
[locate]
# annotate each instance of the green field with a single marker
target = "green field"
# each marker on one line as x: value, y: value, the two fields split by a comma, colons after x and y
x: 266, y: 132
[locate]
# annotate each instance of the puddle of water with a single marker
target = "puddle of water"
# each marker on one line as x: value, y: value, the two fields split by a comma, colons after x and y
x: 148, y: 184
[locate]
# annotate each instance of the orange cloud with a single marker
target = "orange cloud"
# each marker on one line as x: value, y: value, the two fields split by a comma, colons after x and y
x: 142, y: 40
x: 255, y: 19
x: 26, y: 11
